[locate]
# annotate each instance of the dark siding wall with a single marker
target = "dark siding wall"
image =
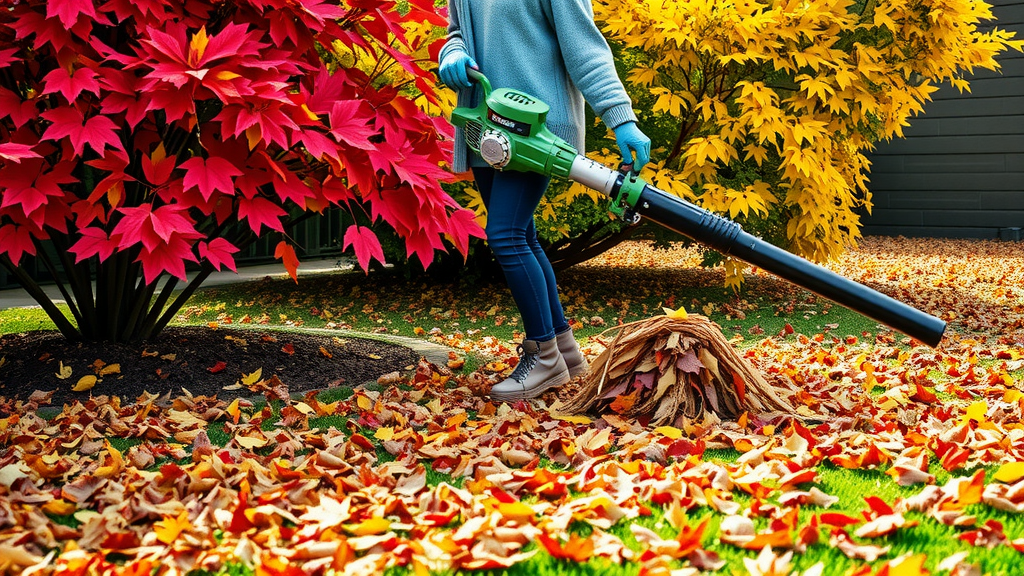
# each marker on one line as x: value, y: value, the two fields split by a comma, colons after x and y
x: 960, y: 170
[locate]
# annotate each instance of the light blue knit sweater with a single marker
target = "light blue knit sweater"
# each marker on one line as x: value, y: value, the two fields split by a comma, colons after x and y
x: 550, y: 49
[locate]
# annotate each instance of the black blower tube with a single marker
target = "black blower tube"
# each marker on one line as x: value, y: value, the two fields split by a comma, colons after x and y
x: 728, y: 238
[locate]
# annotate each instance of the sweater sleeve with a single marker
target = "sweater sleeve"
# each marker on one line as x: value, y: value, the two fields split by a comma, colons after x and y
x: 455, y: 39
x: 589, y: 61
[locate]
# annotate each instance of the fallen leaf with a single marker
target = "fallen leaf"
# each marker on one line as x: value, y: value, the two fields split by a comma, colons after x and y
x: 85, y: 383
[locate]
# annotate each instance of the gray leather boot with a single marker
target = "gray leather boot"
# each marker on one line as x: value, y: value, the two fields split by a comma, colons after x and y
x: 540, y: 368
x: 570, y: 349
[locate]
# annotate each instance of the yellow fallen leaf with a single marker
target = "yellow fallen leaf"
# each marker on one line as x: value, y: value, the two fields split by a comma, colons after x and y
x: 64, y: 372
x: 248, y: 442
x: 516, y: 511
x: 169, y: 357
x: 1010, y: 472
x: 669, y: 432
x: 1012, y: 395
x: 85, y: 383
x: 370, y: 526
x: 234, y: 411
x: 385, y: 434
x: 573, y: 419
x: 59, y: 507
x: 250, y: 379
x: 305, y: 408
x: 976, y: 411
x: 168, y: 529
x: 678, y: 314
x: 113, y: 466
x: 363, y: 402
x: 110, y: 369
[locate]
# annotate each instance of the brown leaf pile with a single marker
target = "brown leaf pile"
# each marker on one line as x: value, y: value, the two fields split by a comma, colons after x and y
x: 667, y: 369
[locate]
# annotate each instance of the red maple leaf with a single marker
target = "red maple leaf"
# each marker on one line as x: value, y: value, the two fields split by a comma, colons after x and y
x: 350, y: 123
x: 261, y: 212
x: 71, y: 84
x: 462, y: 226
x: 219, y: 252
x: 16, y: 152
x: 158, y: 166
x: 69, y: 10
x: 15, y: 241
x: 154, y: 228
x: 210, y: 175
x: 20, y: 111
x: 169, y: 258
x: 365, y: 244
x: 98, y: 131
x: 93, y: 241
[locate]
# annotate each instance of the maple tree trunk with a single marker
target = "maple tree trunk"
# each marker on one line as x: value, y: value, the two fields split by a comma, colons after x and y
x: 109, y: 300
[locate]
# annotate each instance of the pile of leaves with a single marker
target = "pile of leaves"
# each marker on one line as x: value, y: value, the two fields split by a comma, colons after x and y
x: 674, y: 367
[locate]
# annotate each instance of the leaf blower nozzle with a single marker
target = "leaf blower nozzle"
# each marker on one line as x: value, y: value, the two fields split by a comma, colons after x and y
x: 507, y: 130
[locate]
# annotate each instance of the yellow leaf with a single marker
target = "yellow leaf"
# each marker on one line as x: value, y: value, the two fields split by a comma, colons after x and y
x: 168, y: 529
x: 85, y: 383
x: 115, y: 464
x: 305, y: 408
x: 573, y: 419
x: 669, y: 432
x: 677, y: 314
x: 516, y: 511
x: 110, y: 369
x: 250, y: 379
x: 198, y: 46
x: 1010, y: 472
x: 976, y: 411
x: 234, y: 411
x: 363, y: 402
x: 65, y: 371
x: 59, y: 507
x: 370, y: 526
x: 248, y: 442
x: 384, y: 434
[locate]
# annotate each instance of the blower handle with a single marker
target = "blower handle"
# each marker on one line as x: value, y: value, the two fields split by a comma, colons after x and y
x: 477, y: 75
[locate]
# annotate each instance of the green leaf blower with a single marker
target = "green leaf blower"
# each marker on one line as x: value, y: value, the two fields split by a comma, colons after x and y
x: 507, y: 130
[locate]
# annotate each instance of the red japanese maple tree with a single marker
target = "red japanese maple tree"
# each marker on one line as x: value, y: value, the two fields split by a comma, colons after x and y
x: 138, y: 135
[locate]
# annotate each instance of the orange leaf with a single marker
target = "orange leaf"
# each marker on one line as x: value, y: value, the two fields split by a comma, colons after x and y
x: 576, y: 549
x: 286, y: 252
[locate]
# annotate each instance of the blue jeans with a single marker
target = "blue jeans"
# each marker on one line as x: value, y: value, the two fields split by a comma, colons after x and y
x: 511, y: 199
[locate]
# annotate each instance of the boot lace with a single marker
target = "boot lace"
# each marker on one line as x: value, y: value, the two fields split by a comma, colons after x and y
x: 526, y: 363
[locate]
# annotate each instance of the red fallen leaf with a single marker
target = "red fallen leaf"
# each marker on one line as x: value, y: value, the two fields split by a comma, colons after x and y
x: 239, y: 521
x: 922, y: 394
x: 288, y: 349
x: 837, y: 519
x: 120, y: 541
x: 576, y: 548
x: 878, y: 506
x: 219, y: 366
x: 363, y: 442
x: 989, y: 535
x: 954, y: 458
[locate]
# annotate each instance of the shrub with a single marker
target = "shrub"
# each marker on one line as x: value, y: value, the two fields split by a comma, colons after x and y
x: 140, y: 136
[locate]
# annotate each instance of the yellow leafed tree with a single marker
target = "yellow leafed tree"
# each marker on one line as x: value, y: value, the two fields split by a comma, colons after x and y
x: 766, y: 108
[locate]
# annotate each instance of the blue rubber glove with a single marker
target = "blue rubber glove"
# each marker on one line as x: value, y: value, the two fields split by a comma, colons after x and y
x: 630, y: 139
x: 453, y: 69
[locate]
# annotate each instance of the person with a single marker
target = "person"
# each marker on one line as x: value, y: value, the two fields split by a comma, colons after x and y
x: 552, y: 50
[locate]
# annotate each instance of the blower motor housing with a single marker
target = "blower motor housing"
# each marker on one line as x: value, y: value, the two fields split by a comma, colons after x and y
x: 507, y: 130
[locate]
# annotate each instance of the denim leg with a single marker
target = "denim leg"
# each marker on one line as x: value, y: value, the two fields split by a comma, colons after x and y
x: 558, y: 320
x: 511, y: 198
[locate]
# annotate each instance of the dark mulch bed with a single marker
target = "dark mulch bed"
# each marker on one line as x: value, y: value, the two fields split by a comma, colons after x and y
x: 203, y: 360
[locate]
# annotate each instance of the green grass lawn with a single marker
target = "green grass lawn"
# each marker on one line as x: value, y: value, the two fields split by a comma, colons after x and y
x: 594, y: 299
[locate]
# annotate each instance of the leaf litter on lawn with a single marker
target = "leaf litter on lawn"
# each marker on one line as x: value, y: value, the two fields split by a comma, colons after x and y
x: 940, y: 433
